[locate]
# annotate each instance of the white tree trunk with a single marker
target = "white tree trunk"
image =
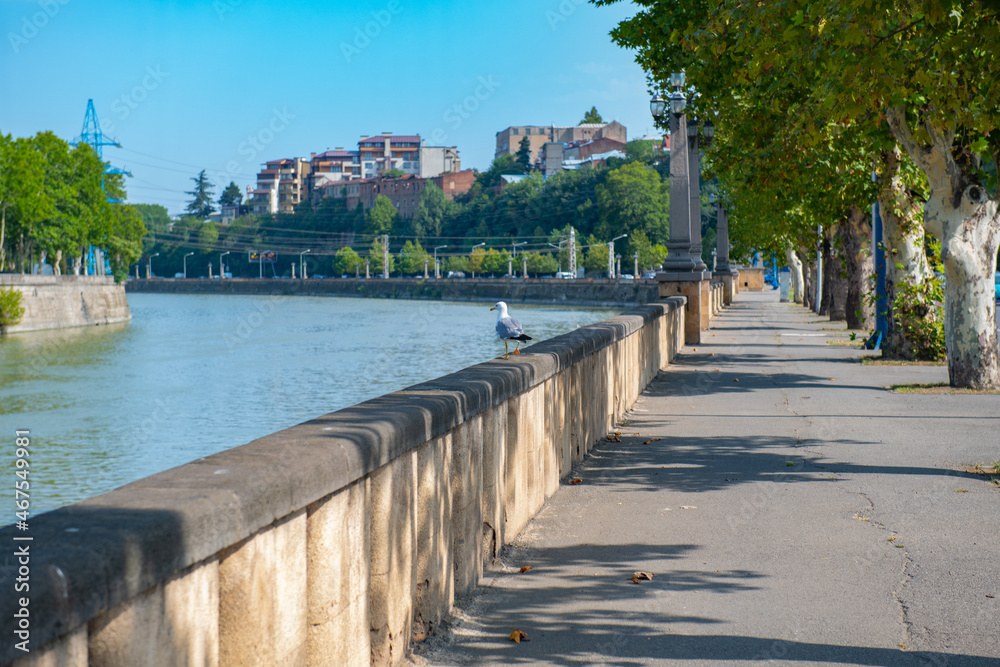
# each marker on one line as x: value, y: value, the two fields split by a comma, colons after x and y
x: 56, y: 268
x: 965, y: 219
x: 903, y: 239
x: 795, y: 265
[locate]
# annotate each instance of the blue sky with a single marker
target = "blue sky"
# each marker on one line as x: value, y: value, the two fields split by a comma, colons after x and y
x: 226, y: 85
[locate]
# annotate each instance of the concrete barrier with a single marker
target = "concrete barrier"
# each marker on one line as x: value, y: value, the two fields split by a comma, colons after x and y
x: 337, y: 541
x: 751, y: 279
x: 54, y: 302
x: 588, y: 292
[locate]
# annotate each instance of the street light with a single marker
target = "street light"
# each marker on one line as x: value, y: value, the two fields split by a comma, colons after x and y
x: 186, y: 264
x: 149, y: 265
x: 611, y: 255
x: 302, y: 266
x: 437, y: 271
x: 514, y: 247
x: 222, y: 273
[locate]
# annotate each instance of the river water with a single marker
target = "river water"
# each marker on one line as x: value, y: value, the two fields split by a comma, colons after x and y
x: 192, y: 375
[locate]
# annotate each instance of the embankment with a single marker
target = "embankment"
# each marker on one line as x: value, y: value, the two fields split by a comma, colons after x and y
x: 337, y: 541
x: 570, y: 292
x: 53, y: 302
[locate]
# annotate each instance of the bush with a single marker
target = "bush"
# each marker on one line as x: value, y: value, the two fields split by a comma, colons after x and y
x: 11, y: 308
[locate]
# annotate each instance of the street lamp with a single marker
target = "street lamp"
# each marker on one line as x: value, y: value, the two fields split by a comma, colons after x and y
x: 186, y: 264
x: 149, y: 265
x: 611, y: 255
x: 437, y: 270
x: 222, y: 273
x: 302, y: 266
x: 514, y: 247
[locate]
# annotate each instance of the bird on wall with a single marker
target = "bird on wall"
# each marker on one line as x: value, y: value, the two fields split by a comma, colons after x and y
x: 509, y: 329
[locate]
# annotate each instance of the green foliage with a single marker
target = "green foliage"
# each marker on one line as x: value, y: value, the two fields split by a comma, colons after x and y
x: 381, y: 217
x: 592, y: 116
x: 432, y: 211
x: 495, y: 262
x: 501, y: 166
x: 393, y: 173
x: 918, y: 310
x: 542, y: 263
x: 633, y: 198
x: 11, y: 307
x: 596, y: 258
x: 231, y: 196
x: 456, y: 263
x: 643, y: 150
x: 476, y: 259
x: 201, y: 203
x: 650, y: 256
x: 208, y: 237
x: 412, y: 258
x: 375, y: 253
x: 524, y: 155
x: 347, y: 262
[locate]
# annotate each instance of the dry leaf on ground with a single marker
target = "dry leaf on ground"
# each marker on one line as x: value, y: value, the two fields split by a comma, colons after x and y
x: 576, y: 480
x: 518, y: 635
x: 689, y: 507
x: 641, y: 576
x: 526, y: 568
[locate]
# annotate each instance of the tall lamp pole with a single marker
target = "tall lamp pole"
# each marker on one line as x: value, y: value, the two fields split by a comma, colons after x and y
x: 222, y: 272
x: 437, y: 269
x: 149, y: 265
x: 302, y: 267
x: 611, y: 255
x: 186, y: 264
x: 478, y: 245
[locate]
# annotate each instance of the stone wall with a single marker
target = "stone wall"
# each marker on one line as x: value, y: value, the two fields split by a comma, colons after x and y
x: 53, y: 302
x: 340, y: 540
x: 587, y: 292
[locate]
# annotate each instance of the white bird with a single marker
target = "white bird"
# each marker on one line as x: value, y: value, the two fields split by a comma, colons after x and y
x: 509, y: 329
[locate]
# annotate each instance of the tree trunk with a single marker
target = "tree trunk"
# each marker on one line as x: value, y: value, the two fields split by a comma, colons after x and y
x: 838, y: 277
x: 795, y: 266
x: 809, y: 289
x: 856, y: 233
x: 905, y: 259
x: 829, y: 271
x: 961, y: 214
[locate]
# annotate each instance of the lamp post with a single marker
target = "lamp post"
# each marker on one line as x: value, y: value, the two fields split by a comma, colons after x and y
x: 437, y: 269
x: 302, y: 267
x: 222, y: 272
x: 514, y: 247
x: 186, y: 264
x: 611, y: 255
x: 636, y: 257
x: 478, y: 245
x: 679, y: 257
x: 149, y: 265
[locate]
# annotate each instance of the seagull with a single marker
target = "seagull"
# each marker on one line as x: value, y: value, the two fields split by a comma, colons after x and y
x: 508, y: 329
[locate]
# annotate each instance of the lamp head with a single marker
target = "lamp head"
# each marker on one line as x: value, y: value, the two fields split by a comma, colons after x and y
x: 657, y: 106
x: 677, y: 104
x: 677, y: 80
x: 709, y: 131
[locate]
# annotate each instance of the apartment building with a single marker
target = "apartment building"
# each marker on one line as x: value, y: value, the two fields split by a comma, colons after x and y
x: 508, y: 141
x: 281, y: 185
x: 333, y: 166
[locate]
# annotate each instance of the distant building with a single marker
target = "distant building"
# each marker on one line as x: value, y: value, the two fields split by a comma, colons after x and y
x: 404, y: 192
x: 281, y: 185
x: 508, y: 141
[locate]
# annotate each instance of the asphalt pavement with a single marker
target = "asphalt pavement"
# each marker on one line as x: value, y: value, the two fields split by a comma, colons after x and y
x: 789, y: 508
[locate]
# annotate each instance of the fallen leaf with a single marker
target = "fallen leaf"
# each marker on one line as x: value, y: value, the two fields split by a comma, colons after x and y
x: 832, y: 379
x: 689, y: 507
x: 715, y: 370
x: 641, y: 576
x: 736, y: 379
x: 711, y: 354
x: 789, y: 464
x: 694, y: 349
x: 576, y: 480
x: 961, y: 490
x: 525, y: 568
x: 518, y: 635
x: 612, y: 438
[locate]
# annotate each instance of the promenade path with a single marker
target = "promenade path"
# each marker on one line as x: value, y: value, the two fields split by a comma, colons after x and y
x: 790, y: 508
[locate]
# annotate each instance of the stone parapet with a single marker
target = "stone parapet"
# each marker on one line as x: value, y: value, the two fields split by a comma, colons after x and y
x: 55, y: 302
x: 340, y: 540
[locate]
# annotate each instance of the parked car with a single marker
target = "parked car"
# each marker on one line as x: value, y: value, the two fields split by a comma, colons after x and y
x: 627, y: 276
x: 565, y: 275
x: 456, y: 274
x: 649, y: 275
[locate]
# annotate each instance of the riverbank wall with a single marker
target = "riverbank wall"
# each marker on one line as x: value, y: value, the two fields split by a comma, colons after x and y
x: 586, y: 292
x: 338, y: 541
x: 54, y: 302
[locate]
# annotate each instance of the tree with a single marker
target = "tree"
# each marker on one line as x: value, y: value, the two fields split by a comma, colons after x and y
x: 21, y: 173
x: 347, y: 262
x: 596, y: 258
x: 381, y: 217
x: 432, y: 211
x: 208, y: 237
x: 476, y: 259
x: 231, y: 196
x: 375, y: 254
x: 542, y: 263
x: 650, y: 256
x: 412, y: 258
x: 524, y: 155
x: 633, y: 198
x: 393, y: 173
x: 495, y: 262
x: 201, y: 202
x: 592, y: 116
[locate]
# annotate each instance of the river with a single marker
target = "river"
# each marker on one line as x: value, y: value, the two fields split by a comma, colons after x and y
x: 192, y: 375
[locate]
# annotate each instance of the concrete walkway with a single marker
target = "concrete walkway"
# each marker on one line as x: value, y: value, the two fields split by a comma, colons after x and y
x: 789, y: 508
